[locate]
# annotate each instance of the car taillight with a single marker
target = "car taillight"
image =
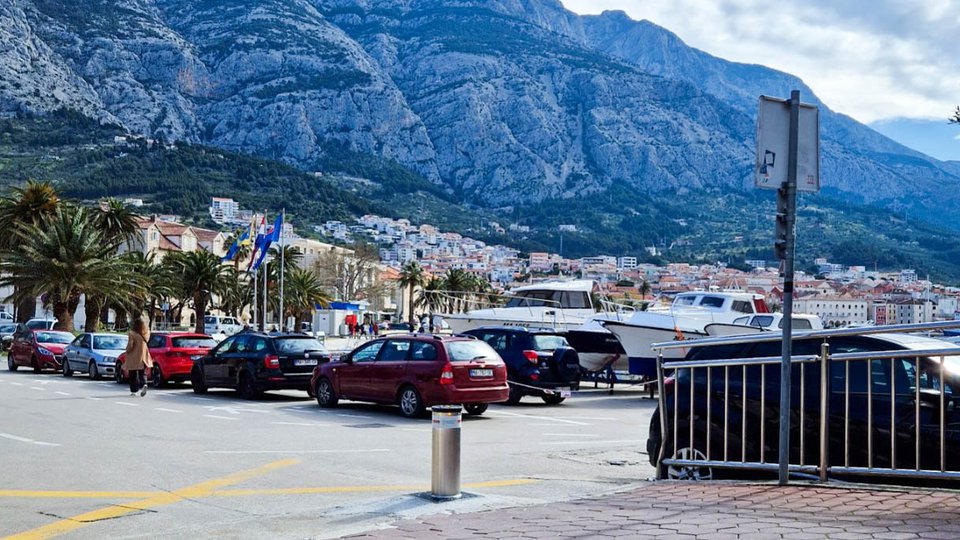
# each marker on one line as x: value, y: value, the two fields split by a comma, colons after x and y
x: 271, y: 361
x: 446, y: 376
x: 534, y: 376
x: 531, y: 356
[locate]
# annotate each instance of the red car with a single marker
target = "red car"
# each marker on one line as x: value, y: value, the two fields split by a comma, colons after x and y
x: 38, y: 349
x: 415, y: 372
x: 173, y: 355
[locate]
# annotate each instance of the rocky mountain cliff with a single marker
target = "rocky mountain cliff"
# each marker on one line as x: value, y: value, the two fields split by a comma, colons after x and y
x: 500, y: 102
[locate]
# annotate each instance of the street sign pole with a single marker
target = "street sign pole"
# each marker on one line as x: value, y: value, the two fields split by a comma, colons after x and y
x: 789, y: 193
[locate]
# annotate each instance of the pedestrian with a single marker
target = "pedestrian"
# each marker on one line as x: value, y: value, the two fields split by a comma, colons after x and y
x: 138, y: 357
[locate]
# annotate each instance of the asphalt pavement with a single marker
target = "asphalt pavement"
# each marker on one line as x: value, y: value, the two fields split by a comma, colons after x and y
x: 83, y: 459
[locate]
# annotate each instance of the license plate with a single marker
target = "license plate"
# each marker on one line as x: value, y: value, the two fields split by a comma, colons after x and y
x: 481, y: 373
x: 565, y: 393
x: 306, y: 362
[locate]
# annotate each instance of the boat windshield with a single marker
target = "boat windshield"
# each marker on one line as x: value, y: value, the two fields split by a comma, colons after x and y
x: 685, y: 300
x: 561, y: 299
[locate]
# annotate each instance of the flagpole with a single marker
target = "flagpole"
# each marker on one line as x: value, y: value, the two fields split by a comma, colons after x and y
x: 266, y: 262
x: 283, y: 221
x: 255, y: 276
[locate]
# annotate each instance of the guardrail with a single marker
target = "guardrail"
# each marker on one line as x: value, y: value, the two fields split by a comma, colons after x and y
x: 889, y: 413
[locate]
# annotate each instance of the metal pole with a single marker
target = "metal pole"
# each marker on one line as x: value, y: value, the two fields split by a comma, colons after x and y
x: 445, y: 474
x: 824, y: 410
x: 791, y: 218
x: 266, y: 264
x: 283, y: 317
x: 256, y: 275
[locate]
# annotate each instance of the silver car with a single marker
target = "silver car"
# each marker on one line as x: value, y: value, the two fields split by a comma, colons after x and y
x: 95, y: 354
x: 6, y: 335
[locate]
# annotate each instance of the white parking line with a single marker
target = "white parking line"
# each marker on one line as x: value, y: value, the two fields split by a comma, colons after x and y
x: 15, y: 383
x: 64, y: 393
x: 307, y: 424
x: 348, y: 451
x: 94, y: 398
x: 421, y: 430
x: 568, y: 435
x: 203, y: 398
x: 127, y: 404
x: 166, y: 410
x: 220, y: 417
x: 36, y: 388
x: 26, y: 440
x: 624, y: 441
x: 353, y: 415
x: 545, y: 418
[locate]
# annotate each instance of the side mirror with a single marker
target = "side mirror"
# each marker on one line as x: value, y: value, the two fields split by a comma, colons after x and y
x: 346, y: 359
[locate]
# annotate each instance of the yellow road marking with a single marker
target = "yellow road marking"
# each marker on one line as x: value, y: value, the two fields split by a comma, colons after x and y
x: 28, y: 494
x: 203, y: 489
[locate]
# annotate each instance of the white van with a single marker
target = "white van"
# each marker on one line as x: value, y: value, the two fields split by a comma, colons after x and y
x: 215, y: 324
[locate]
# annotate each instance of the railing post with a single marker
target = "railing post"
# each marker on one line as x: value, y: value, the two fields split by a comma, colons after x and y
x: 824, y: 410
x: 662, y: 405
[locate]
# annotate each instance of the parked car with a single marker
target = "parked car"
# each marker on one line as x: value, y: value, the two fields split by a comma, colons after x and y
x: 40, y: 324
x: 5, y: 317
x: 173, y: 356
x: 253, y: 363
x: 93, y: 353
x: 6, y: 335
x: 38, y: 349
x: 415, y: 372
x: 853, y: 375
x: 539, y: 362
x: 215, y: 324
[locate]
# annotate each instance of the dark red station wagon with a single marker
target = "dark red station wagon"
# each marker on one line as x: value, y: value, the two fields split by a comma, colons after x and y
x: 415, y: 371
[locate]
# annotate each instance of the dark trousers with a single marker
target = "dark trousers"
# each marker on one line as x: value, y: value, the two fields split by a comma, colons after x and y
x: 137, y: 380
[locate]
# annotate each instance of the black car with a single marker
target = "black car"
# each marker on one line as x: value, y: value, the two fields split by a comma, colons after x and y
x: 893, y: 390
x: 539, y: 362
x: 253, y: 362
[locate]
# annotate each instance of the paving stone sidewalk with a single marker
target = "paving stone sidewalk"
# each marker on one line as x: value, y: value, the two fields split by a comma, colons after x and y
x: 711, y: 511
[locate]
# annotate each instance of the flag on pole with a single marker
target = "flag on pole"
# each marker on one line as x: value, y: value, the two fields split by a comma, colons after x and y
x: 242, y: 238
x: 261, y: 231
x: 268, y: 237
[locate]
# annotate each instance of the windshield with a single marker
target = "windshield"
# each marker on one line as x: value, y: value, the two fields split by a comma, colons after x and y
x: 54, y: 337
x: 534, y: 299
x: 293, y: 345
x: 110, y: 343
x: 209, y: 320
x: 194, y: 342
x: 8, y: 328
x: 46, y: 325
x: 465, y: 351
x: 548, y: 342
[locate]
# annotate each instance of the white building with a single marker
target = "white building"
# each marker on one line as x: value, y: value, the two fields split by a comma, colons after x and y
x: 223, y: 210
x: 834, y: 310
x: 626, y: 263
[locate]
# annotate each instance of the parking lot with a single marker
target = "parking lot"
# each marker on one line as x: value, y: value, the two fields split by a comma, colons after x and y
x: 83, y: 459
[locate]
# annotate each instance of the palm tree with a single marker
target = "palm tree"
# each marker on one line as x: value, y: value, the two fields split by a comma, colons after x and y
x: 645, y: 289
x: 411, y: 277
x: 302, y: 292
x: 118, y: 223
x: 61, y: 259
x: 158, y: 284
x: 431, y: 295
x: 200, y: 276
x: 458, y: 283
x: 31, y: 204
x: 235, y: 292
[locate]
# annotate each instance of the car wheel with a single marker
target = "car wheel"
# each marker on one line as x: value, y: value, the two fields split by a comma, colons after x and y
x: 516, y: 393
x: 197, y: 382
x: 689, y: 472
x: 67, y: 370
x: 326, y: 396
x: 118, y: 373
x: 11, y: 365
x: 156, y: 377
x: 247, y: 388
x: 92, y: 370
x: 36, y: 364
x: 475, y: 409
x: 552, y: 399
x: 411, y: 406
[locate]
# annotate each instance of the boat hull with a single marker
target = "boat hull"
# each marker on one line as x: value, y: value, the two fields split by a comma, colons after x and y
x: 637, y: 340
x: 462, y: 322
x: 598, y: 349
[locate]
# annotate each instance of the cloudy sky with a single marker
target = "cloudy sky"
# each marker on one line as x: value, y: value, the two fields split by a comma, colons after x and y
x: 891, y: 64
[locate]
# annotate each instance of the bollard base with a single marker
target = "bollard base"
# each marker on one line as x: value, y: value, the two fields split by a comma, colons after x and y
x: 428, y: 496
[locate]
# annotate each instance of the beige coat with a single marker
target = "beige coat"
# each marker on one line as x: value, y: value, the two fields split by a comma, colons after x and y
x: 138, y: 356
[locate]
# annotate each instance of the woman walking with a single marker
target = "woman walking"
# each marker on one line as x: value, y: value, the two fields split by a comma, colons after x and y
x: 138, y: 357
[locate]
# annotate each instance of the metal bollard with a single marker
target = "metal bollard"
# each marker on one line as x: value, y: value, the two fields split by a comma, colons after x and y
x: 446, y: 452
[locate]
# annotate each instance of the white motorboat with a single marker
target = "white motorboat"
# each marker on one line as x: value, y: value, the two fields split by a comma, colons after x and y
x: 557, y: 305
x: 695, y: 315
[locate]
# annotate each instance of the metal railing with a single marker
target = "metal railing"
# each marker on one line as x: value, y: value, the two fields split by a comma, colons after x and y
x: 887, y: 413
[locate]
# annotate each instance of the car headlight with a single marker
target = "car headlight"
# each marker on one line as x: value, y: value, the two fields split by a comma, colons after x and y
x: 44, y: 351
x: 108, y: 360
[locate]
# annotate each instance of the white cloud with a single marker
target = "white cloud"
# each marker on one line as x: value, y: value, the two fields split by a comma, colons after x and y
x: 869, y: 59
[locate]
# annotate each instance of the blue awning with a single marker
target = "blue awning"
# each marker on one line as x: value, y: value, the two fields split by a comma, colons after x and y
x: 346, y: 306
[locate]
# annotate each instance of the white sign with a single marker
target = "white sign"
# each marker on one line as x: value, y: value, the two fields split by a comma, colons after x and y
x: 773, y: 141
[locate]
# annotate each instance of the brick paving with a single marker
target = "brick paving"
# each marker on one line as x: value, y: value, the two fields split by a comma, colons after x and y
x: 709, y: 511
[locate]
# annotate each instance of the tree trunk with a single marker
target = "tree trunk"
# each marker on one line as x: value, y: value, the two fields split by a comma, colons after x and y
x: 200, y: 306
x: 61, y: 311
x: 91, y: 309
x: 298, y: 321
x: 26, y: 310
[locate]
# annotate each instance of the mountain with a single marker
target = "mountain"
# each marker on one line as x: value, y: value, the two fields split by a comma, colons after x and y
x: 507, y: 110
